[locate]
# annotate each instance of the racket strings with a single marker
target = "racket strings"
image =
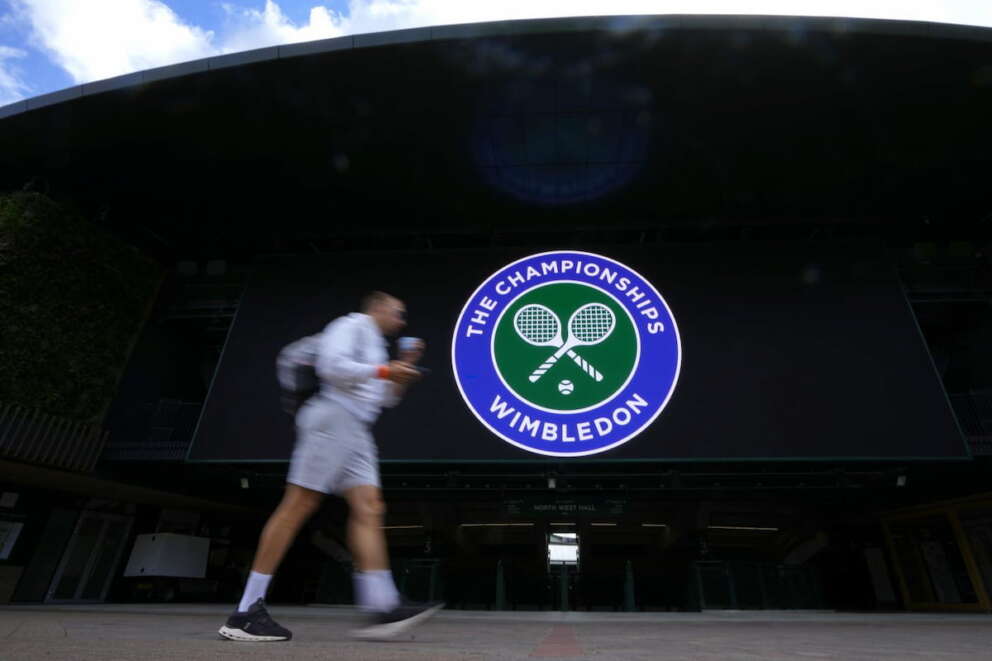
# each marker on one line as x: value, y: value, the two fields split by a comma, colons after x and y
x: 592, y: 324
x: 536, y: 325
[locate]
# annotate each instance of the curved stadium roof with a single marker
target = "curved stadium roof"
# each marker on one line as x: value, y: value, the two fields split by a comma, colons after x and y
x: 589, y: 122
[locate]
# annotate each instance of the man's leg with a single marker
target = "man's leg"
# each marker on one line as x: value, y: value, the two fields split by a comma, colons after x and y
x: 374, y: 586
x: 251, y: 622
x: 297, y: 506
x: 375, y: 591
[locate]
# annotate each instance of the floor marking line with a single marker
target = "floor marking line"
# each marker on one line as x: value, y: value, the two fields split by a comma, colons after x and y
x: 560, y: 642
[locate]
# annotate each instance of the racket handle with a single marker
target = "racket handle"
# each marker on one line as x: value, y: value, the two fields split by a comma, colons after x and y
x: 544, y: 367
x: 586, y: 367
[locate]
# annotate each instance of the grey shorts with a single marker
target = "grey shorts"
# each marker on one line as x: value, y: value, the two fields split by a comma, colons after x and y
x: 334, y: 450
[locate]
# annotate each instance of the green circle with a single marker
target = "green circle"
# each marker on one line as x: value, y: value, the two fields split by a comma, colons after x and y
x: 614, y: 357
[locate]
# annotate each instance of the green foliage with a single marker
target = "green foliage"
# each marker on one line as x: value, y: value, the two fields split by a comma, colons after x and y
x: 72, y: 300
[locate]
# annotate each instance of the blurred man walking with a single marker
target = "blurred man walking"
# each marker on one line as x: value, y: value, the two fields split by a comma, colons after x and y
x: 336, y: 454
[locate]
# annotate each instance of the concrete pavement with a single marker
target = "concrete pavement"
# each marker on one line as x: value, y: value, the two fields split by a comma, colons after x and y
x: 188, y: 633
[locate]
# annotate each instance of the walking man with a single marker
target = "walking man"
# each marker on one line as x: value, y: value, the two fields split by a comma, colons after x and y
x: 336, y: 454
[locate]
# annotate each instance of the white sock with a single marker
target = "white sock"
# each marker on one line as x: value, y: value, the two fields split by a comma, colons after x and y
x: 375, y: 590
x: 255, y: 590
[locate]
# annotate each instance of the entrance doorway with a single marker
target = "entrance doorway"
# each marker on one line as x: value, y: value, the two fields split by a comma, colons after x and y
x: 563, y: 548
x: 563, y: 565
x: 87, y: 566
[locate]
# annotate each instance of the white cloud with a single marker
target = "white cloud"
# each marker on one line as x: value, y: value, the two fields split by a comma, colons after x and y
x: 253, y: 28
x: 103, y: 38
x: 256, y: 28
x: 12, y: 85
x: 376, y: 15
x: 94, y: 40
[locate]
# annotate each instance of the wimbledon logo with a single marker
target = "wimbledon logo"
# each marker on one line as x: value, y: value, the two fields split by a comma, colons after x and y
x: 566, y: 353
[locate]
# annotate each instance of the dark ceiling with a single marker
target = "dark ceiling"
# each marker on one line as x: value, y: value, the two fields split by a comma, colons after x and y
x: 532, y: 126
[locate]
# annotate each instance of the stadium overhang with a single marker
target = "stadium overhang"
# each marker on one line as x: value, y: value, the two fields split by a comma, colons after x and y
x: 599, y: 123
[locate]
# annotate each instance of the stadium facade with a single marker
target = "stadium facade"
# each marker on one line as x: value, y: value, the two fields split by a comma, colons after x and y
x: 800, y: 204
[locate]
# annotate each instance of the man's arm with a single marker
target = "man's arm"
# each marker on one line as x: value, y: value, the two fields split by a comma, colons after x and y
x: 402, y: 375
x: 336, y: 362
x: 393, y: 395
x: 410, y: 357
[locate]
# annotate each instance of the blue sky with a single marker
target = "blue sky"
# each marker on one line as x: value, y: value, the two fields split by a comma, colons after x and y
x: 46, y: 45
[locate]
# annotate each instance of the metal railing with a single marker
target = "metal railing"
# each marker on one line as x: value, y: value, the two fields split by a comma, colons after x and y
x: 36, y: 437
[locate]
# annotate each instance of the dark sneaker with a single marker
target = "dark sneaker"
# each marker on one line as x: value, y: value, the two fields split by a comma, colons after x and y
x: 386, y: 626
x: 254, y: 625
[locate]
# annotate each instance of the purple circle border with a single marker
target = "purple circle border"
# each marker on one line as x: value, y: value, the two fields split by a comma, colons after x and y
x: 654, y: 380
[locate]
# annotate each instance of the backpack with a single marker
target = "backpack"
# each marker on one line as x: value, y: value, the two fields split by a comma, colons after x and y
x: 296, y: 371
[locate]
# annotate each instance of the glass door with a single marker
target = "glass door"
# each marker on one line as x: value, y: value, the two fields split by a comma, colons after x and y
x: 86, y: 569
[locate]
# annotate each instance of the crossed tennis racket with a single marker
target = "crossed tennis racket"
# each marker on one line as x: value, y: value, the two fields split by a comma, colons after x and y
x: 590, y: 324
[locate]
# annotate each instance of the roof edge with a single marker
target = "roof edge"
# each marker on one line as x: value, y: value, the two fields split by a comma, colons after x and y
x: 622, y: 24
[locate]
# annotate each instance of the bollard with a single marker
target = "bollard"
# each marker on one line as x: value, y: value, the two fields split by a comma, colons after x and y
x: 500, y: 587
x: 628, y: 588
x: 432, y: 588
x: 563, y: 586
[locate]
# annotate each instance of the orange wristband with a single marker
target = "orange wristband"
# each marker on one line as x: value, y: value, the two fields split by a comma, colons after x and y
x: 382, y: 372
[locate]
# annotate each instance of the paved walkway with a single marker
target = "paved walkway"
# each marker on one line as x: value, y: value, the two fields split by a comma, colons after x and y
x: 188, y: 632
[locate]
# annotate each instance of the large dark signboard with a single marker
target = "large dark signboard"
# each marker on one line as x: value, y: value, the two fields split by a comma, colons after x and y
x: 730, y: 351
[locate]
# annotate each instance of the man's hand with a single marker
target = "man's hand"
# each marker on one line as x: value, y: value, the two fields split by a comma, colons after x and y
x: 402, y: 372
x: 414, y: 353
